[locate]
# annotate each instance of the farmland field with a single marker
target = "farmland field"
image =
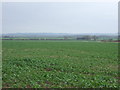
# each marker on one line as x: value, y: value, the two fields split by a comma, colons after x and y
x: 59, y: 64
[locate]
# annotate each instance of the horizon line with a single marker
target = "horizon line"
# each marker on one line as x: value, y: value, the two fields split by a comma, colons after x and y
x: 59, y: 33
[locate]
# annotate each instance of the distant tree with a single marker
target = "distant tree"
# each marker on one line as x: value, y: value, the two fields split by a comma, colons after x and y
x: 110, y: 40
x: 65, y: 37
x: 118, y: 37
x: 94, y: 38
x: 87, y: 37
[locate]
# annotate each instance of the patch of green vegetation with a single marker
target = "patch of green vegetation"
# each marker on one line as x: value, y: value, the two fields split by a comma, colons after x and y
x: 46, y: 64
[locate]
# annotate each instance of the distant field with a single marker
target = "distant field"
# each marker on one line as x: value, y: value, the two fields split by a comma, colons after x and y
x: 59, y: 64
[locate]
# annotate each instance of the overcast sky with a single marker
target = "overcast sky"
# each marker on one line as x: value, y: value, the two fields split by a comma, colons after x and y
x: 61, y: 17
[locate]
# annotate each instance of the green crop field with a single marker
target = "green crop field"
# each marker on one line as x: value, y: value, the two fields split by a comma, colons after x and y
x: 59, y: 64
